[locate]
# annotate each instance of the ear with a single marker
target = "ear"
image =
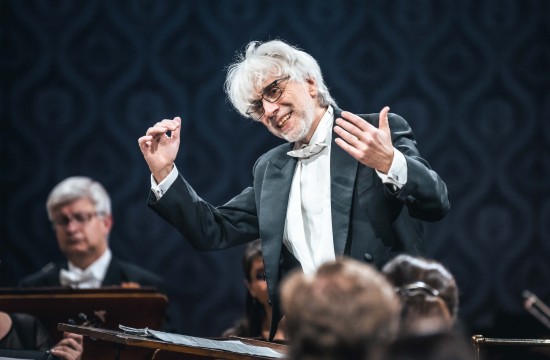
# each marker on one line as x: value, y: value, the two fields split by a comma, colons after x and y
x: 108, y: 222
x: 312, y: 87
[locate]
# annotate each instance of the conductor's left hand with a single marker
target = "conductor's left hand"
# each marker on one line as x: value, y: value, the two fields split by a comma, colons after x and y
x: 368, y: 144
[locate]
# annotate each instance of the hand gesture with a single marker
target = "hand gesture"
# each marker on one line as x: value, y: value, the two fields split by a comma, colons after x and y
x: 160, y: 148
x: 70, y: 347
x: 367, y: 144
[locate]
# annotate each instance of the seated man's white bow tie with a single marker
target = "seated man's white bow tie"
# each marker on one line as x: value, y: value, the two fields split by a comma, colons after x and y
x: 78, y: 279
x: 307, y: 150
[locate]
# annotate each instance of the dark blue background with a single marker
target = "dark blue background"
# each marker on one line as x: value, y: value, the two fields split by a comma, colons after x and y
x: 82, y: 80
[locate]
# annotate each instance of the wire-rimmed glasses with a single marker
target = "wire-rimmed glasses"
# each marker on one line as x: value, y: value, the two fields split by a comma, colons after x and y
x: 271, y: 93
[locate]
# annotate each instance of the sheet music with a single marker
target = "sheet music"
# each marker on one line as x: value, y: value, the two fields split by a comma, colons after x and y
x: 235, y: 346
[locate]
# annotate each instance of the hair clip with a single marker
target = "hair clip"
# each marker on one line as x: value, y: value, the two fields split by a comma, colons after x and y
x: 417, y: 286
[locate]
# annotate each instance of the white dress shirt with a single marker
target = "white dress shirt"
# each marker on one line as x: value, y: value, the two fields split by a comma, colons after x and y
x: 308, y: 226
x: 89, y: 278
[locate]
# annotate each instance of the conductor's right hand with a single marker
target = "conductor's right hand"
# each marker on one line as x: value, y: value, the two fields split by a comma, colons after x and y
x: 160, y: 147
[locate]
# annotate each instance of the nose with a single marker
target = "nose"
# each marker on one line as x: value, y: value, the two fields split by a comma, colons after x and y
x: 270, y: 108
x: 72, y: 225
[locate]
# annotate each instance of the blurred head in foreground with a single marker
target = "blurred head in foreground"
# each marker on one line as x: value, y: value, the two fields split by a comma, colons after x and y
x: 345, y: 310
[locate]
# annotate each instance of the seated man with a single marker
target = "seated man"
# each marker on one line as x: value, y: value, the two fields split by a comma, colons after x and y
x: 80, y: 211
x: 345, y: 310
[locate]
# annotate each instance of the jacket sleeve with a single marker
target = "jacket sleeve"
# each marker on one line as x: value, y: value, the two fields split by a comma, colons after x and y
x: 205, y: 226
x: 424, y: 194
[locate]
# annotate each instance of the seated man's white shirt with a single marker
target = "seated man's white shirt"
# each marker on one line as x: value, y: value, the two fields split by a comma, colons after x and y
x: 89, y: 278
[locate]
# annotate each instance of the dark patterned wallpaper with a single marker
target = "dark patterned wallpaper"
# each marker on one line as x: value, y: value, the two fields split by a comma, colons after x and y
x: 82, y: 80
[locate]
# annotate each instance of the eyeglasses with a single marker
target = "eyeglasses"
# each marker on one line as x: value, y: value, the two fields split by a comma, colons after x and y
x: 80, y: 218
x: 271, y: 93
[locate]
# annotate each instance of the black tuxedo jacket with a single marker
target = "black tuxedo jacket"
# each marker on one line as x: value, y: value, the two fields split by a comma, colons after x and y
x: 371, y: 222
x: 117, y: 273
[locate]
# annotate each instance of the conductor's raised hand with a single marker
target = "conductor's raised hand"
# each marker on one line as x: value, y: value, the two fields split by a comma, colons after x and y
x: 368, y: 144
x: 160, y: 146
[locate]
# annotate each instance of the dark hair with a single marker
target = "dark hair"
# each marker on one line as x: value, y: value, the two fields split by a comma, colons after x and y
x: 251, y: 324
x: 252, y: 251
x: 425, y: 286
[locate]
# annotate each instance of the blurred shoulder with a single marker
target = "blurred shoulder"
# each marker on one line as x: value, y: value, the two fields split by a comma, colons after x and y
x: 47, y: 276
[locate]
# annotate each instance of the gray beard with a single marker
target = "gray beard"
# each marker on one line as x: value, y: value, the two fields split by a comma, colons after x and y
x: 305, y: 126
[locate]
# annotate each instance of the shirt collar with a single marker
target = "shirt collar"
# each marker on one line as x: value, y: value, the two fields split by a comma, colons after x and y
x: 98, y: 268
x: 323, y: 131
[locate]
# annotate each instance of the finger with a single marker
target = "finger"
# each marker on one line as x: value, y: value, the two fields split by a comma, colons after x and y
x: 158, y: 132
x: 144, y: 142
x: 359, y: 122
x: 157, y: 129
x: 171, y: 124
x: 164, y: 126
x: 58, y: 352
x: 67, y: 343
x: 356, y: 133
x: 64, y: 350
x: 176, y: 132
x: 70, y: 343
x: 76, y: 337
x: 173, y: 133
x: 346, y: 134
x: 383, y: 123
x: 66, y: 353
x: 348, y: 148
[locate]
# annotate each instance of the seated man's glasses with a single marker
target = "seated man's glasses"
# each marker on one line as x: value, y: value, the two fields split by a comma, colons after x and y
x: 271, y: 93
x: 79, y: 218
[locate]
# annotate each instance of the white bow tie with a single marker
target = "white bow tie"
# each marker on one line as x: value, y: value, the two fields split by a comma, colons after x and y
x: 307, y: 150
x: 77, y: 279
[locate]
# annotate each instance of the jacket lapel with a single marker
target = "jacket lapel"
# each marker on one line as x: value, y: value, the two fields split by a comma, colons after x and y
x: 343, y: 172
x: 113, y: 275
x: 274, y: 193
